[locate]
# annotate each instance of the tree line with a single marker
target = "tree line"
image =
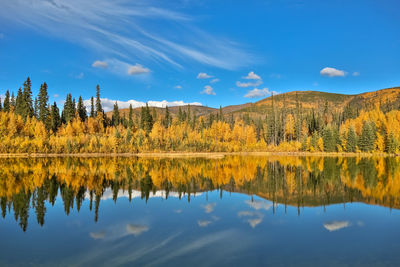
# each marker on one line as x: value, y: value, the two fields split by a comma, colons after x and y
x: 33, y: 125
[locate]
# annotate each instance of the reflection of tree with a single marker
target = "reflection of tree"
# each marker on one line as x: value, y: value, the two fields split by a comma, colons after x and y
x: 297, y: 181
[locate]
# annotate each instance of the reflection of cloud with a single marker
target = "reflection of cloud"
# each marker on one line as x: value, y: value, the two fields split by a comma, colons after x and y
x: 254, y: 222
x: 209, y: 207
x: 360, y: 223
x: 203, y: 223
x: 255, y: 217
x: 178, y: 211
x: 258, y: 204
x: 136, y: 229
x: 98, y: 235
x: 336, y: 225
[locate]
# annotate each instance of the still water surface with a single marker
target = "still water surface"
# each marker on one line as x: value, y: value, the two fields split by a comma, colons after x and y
x: 236, y: 211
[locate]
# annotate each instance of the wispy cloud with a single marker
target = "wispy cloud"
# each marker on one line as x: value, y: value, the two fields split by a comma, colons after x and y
x: 108, y: 104
x: 136, y: 229
x: 131, y: 31
x: 203, y: 75
x: 336, y: 225
x: 258, y: 204
x: 208, y: 90
x: 137, y: 69
x: 254, y: 218
x: 214, y: 80
x: 178, y: 87
x: 203, y: 223
x: 248, y: 84
x: 209, y: 207
x: 100, y: 64
x: 97, y: 235
x: 356, y: 73
x: 332, y: 72
x: 256, y: 93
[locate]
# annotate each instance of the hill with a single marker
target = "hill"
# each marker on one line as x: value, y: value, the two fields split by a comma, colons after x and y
x: 387, y: 98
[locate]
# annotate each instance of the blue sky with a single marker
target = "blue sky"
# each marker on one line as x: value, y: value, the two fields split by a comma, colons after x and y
x: 215, y: 53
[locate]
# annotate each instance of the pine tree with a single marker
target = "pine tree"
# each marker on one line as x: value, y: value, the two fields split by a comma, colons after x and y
x: 1, y: 107
x: 6, y: 105
x: 99, y: 109
x: 367, y: 138
x: 69, y: 109
x: 43, y: 106
x: 130, y: 122
x: 19, y: 103
x: 392, y: 145
x: 92, y: 113
x: 329, y: 141
x: 81, y: 109
x: 12, y: 103
x: 36, y: 108
x: 167, y: 118
x: 27, y: 103
x: 146, y: 120
x: 115, y: 117
x: 55, y: 117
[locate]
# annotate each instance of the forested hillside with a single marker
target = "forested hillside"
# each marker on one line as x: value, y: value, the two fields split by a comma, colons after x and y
x: 296, y: 121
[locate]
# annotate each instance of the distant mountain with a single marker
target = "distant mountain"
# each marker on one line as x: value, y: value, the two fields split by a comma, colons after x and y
x: 387, y: 98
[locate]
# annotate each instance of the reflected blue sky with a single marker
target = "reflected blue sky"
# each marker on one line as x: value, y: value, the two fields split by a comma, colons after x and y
x: 236, y: 230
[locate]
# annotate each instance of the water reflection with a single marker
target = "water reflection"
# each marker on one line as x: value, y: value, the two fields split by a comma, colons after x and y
x: 295, y: 181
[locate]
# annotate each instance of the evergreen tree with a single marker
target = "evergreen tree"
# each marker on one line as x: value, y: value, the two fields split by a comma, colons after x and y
x: 167, y: 118
x: 99, y: 109
x: 367, y: 138
x: 19, y: 103
x: 329, y: 142
x: 392, y: 145
x: 26, y: 102
x: 69, y: 109
x: 55, y: 117
x: 43, y: 106
x: 6, y: 105
x: 130, y: 122
x: 81, y: 109
x: 12, y: 101
x: 92, y: 113
x: 36, y: 108
x: 115, y: 117
x: 1, y: 107
x: 146, y: 120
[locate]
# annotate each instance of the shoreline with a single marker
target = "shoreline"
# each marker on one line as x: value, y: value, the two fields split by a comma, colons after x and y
x: 213, y: 155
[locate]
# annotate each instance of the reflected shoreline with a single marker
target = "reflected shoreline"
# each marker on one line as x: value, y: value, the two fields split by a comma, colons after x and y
x: 29, y: 183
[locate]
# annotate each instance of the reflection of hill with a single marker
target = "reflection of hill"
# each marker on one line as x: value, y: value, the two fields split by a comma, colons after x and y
x: 296, y: 181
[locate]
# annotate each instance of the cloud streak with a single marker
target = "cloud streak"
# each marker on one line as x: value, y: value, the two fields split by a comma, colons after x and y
x: 130, y: 31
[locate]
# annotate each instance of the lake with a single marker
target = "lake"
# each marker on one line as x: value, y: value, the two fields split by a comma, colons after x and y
x: 236, y: 211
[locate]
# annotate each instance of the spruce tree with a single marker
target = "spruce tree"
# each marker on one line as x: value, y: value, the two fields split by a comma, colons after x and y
x: 69, y: 109
x: 351, y: 140
x: 367, y: 139
x: 167, y: 118
x: 36, y: 108
x: 55, y: 117
x: 115, y: 116
x: 27, y: 103
x: 1, y: 107
x: 329, y: 141
x: 6, y: 105
x: 99, y: 109
x: 12, y: 101
x: 392, y: 144
x: 19, y: 103
x: 146, y: 120
x: 43, y: 106
x: 81, y: 109
x: 92, y: 107
x: 130, y: 122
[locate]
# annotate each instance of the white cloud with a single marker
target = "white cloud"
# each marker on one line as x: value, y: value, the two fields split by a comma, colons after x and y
x: 203, y: 223
x: 336, y: 225
x: 125, y: 29
x: 108, y: 104
x: 209, y: 207
x: 137, y: 69
x: 178, y: 87
x: 178, y: 211
x: 203, y: 75
x: 258, y: 204
x: 56, y: 95
x: 136, y: 229
x: 255, y: 217
x: 98, y: 235
x: 214, y: 80
x: 248, y: 84
x: 256, y: 93
x: 332, y: 72
x: 80, y: 75
x: 252, y: 76
x: 356, y: 73
x: 100, y: 64
x: 208, y: 90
